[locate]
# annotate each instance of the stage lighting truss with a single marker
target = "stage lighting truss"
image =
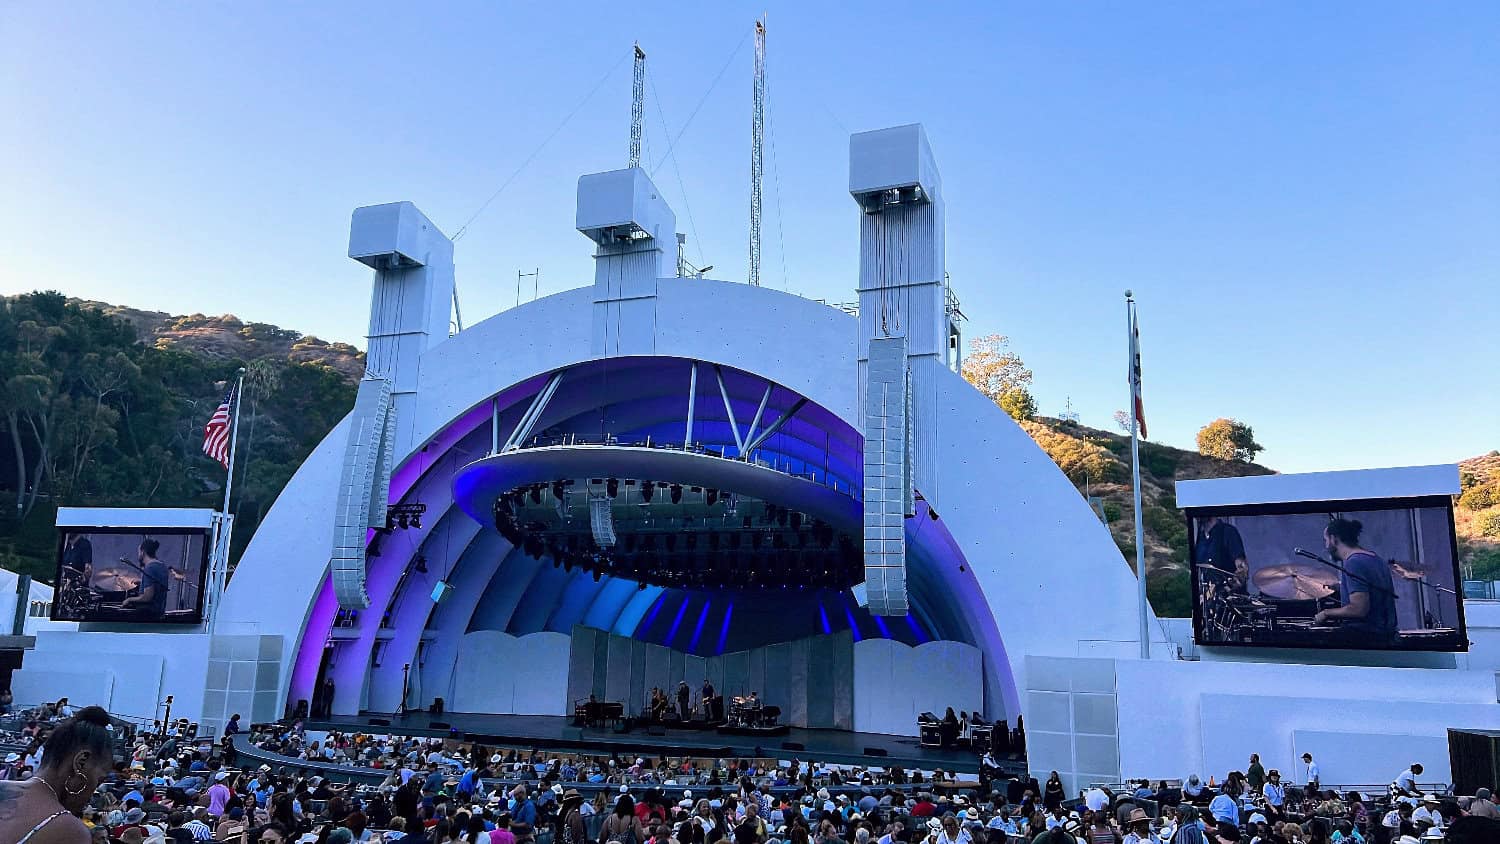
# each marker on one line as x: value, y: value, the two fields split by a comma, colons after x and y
x: 404, y: 516
x: 677, y: 536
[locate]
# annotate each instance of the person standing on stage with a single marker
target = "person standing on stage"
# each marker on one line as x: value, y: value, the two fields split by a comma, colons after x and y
x: 707, y: 697
x: 1219, y: 546
x: 683, y: 697
x: 1366, y: 595
x: 78, y: 559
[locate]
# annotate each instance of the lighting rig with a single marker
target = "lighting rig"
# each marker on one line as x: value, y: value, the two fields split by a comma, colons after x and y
x: 759, y: 546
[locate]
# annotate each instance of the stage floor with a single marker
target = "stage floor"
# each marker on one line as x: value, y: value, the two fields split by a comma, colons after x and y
x: 556, y: 732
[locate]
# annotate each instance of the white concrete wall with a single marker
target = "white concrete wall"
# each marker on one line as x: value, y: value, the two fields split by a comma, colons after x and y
x: 1173, y: 718
x: 894, y: 683
x: 143, y: 669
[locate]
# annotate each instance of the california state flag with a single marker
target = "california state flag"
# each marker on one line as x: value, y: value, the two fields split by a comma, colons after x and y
x: 1135, y: 371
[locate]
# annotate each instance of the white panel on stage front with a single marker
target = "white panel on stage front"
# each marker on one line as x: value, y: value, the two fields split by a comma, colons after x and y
x: 894, y: 683
x: 33, y: 686
x: 1400, y: 482
x: 498, y: 672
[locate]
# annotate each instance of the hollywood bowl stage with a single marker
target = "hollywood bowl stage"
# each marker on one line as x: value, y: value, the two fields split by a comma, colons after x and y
x: 556, y: 732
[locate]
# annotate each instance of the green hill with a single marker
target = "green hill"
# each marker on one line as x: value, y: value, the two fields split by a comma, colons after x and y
x: 105, y: 406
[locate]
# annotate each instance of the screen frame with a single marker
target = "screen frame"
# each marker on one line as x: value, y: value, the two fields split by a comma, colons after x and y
x: 1460, y: 642
x: 207, y: 533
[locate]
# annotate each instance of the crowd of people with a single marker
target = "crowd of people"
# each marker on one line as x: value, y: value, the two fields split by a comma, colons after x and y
x: 78, y: 790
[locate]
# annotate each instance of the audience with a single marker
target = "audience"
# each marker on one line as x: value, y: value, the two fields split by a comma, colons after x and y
x: 171, y: 789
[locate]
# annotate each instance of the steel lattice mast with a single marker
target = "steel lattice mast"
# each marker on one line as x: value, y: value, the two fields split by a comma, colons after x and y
x: 757, y: 144
x: 637, y: 106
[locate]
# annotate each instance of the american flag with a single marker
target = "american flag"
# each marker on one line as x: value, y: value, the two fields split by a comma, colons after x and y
x: 216, y: 435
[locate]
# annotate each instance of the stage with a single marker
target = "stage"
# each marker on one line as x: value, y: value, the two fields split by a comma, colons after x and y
x: 556, y: 732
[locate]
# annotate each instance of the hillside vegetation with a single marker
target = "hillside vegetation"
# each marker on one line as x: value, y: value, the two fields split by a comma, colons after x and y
x: 105, y: 406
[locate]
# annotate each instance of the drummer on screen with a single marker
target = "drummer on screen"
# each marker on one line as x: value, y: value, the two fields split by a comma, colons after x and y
x: 156, y: 579
x: 1366, y: 595
x: 1220, y: 547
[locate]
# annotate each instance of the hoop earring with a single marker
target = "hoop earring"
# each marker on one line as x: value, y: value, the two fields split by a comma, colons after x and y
x: 80, y: 790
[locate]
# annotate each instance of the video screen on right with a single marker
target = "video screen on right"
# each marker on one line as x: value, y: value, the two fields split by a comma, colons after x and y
x: 1373, y: 575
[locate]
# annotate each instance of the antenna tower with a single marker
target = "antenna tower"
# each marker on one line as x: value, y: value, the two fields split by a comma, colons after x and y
x: 757, y: 144
x: 637, y: 106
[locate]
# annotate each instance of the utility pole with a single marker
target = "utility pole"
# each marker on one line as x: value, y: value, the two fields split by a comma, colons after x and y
x: 637, y: 106
x: 757, y: 145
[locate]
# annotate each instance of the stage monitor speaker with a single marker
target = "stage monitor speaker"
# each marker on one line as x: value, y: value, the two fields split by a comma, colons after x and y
x: 437, y: 706
x: 440, y: 725
x: 1474, y: 759
x: 793, y: 745
x: 379, y: 722
x: 876, y: 751
x: 656, y: 730
x: 622, y: 726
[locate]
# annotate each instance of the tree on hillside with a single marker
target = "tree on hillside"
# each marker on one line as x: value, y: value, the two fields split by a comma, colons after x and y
x: 1122, y: 421
x: 1228, y: 439
x: 1000, y: 374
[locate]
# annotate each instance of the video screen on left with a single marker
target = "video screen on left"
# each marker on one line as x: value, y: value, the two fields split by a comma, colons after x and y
x: 131, y: 575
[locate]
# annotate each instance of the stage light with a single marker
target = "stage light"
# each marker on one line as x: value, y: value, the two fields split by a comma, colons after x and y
x: 676, y: 493
x: 711, y: 497
x: 416, y: 520
x: 403, y: 520
x: 648, y: 490
x: 641, y: 586
x: 612, y: 487
x: 421, y: 566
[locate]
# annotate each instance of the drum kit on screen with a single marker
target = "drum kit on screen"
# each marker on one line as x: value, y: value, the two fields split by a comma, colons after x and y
x: 102, y: 597
x: 1290, y: 595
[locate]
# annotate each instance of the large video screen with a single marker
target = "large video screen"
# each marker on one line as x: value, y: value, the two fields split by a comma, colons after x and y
x: 149, y: 576
x: 1375, y: 575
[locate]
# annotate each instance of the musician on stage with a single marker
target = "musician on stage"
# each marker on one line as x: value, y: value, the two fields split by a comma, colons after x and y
x: 684, y: 696
x: 1219, y: 546
x: 706, y: 699
x: 78, y: 558
x: 155, y: 580
x: 1367, y: 598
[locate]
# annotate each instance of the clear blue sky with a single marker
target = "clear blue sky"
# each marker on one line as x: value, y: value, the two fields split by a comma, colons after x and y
x: 1305, y: 197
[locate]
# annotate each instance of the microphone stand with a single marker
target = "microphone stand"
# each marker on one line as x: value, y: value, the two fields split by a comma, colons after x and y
x: 1311, y: 556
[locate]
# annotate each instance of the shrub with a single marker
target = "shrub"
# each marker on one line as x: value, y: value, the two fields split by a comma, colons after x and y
x: 1479, y: 497
x: 1112, y: 511
x: 1488, y: 523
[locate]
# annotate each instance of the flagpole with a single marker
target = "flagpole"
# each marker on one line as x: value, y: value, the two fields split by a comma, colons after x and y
x: 1135, y: 478
x: 234, y: 436
x: 220, y: 575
